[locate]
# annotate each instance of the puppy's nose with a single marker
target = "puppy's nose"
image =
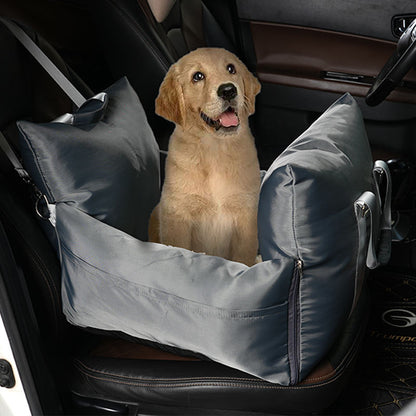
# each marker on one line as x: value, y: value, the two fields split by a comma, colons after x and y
x: 227, y: 91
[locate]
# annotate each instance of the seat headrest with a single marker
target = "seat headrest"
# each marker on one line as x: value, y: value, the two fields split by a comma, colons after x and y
x: 161, y: 8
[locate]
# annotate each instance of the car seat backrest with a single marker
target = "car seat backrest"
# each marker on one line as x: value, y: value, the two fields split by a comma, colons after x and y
x: 144, y: 48
x: 15, y: 85
x: 28, y: 93
x: 161, y: 8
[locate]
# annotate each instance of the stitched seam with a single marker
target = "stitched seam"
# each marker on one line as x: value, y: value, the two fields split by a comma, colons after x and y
x: 396, y: 389
x: 170, y: 379
x: 204, y: 384
x: 80, y: 364
x: 299, y: 294
x: 179, y: 302
x: 399, y: 347
x: 36, y: 158
x: 352, y: 352
x: 293, y: 214
x: 69, y: 251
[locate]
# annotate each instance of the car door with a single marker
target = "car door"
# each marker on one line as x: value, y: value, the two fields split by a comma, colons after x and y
x: 26, y: 386
x: 307, y: 53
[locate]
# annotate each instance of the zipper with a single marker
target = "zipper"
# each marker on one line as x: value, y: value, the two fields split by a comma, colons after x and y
x: 294, y: 324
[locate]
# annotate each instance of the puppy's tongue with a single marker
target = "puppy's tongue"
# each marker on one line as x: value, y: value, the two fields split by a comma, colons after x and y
x: 228, y: 119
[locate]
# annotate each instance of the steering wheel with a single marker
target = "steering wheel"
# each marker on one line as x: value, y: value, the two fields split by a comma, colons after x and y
x: 398, y: 65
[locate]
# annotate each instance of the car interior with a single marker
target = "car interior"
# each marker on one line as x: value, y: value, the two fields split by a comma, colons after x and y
x: 306, y: 54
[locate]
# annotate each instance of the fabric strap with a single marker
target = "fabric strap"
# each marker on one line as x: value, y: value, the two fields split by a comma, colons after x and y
x: 42, y: 206
x: 373, y: 212
x: 76, y: 97
x: 381, y: 170
x: 11, y: 155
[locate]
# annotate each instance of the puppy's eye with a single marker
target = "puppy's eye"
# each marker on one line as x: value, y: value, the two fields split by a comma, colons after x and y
x: 198, y: 76
x: 231, y: 69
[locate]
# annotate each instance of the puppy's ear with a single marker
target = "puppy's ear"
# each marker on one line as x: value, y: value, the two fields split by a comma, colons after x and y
x: 170, y: 103
x: 251, y: 88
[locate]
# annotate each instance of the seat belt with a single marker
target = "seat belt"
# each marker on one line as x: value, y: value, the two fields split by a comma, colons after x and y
x: 75, y: 96
x: 68, y: 88
x: 11, y: 155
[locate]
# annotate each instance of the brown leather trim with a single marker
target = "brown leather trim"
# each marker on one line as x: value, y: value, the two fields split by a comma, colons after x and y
x: 296, y: 56
x: 323, y: 371
x: 119, y: 348
x: 122, y: 349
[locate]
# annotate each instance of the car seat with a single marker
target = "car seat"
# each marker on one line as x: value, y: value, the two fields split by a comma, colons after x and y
x: 144, y: 48
x: 103, y: 373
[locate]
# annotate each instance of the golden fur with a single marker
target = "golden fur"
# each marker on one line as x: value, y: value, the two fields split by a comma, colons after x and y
x: 210, y: 194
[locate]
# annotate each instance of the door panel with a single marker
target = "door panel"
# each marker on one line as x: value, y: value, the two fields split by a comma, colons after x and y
x: 361, y: 17
x: 319, y: 59
x: 300, y: 49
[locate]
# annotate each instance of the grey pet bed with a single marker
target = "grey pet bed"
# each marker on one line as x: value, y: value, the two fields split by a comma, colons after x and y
x: 275, y: 320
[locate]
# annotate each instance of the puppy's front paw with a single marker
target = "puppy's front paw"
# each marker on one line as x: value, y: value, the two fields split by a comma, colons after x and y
x: 259, y: 259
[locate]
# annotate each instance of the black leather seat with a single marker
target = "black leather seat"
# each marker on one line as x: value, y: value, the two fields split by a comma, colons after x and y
x: 94, y: 372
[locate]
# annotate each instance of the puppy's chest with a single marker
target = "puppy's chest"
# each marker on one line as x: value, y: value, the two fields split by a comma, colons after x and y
x: 213, y: 180
x: 222, y: 191
x: 220, y: 185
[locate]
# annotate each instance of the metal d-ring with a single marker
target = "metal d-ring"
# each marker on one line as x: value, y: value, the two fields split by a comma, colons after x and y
x: 40, y: 198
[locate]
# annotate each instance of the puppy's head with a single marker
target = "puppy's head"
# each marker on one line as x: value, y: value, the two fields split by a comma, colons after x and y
x: 209, y: 89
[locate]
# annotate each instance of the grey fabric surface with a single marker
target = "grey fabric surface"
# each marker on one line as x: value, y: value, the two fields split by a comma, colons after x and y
x: 274, y: 320
x: 306, y: 211
x: 229, y: 312
x: 108, y: 169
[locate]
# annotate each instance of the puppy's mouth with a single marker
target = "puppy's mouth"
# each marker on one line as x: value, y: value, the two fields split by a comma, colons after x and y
x: 228, y: 120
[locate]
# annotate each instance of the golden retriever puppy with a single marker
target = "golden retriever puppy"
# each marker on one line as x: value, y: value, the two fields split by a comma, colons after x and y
x: 210, y: 194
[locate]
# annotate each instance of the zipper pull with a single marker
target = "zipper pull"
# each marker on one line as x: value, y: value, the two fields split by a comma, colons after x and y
x: 299, y: 266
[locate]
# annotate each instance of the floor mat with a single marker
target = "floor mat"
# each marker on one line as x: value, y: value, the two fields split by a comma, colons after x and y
x: 385, y: 379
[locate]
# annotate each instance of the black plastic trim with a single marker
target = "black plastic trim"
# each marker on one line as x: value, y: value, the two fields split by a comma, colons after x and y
x: 303, y: 99
x: 8, y: 270
x: 395, y: 20
x: 341, y: 16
